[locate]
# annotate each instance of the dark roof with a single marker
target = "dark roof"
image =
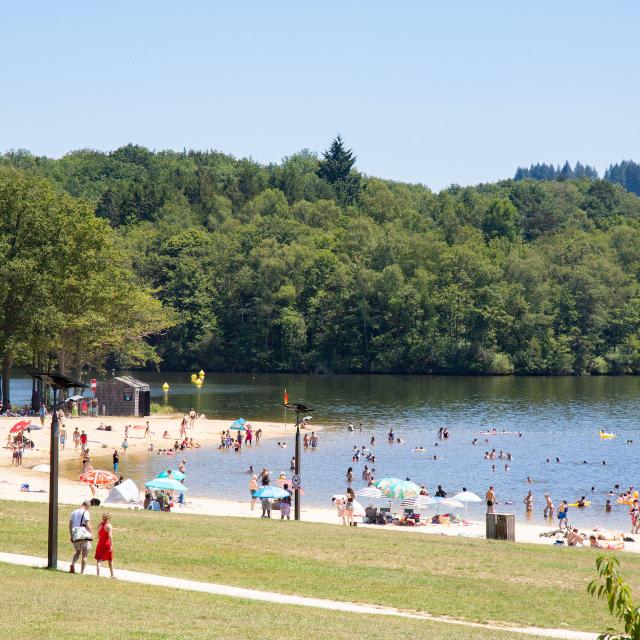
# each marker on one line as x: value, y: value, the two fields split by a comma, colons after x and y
x: 132, y: 382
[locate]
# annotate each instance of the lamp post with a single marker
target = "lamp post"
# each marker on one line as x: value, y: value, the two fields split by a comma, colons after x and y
x: 57, y: 382
x: 299, y: 409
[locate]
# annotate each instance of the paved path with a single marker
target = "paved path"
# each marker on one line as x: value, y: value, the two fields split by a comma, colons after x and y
x: 302, y: 601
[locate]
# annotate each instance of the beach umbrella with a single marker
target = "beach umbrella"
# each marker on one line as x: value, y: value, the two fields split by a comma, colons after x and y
x: 467, y: 496
x: 370, y: 492
x: 98, y: 477
x: 175, y: 474
x: 34, y: 427
x: 19, y: 426
x: 418, y: 503
x: 448, y: 502
x: 140, y: 427
x: 238, y: 425
x: 394, y: 488
x: 166, y: 484
x: 270, y: 492
x: 42, y: 468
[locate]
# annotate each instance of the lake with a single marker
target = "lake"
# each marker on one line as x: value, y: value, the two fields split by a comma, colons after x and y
x: 557, y: 417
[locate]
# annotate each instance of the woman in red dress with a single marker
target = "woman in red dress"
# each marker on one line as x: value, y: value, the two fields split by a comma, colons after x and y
x: 104, y: 548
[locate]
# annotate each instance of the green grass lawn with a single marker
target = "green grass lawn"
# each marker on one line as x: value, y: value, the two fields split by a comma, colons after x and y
x: 478, y: 580
x: 51, y: 605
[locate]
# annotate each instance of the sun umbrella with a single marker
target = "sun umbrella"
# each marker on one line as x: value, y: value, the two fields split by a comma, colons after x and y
x: 98, y: 477
x: 467, y: 496
x: 270, y: 492
x: 418, y: 503
x: 238, y: 425
x: 394, y: 488
x: 370, y: 492
x: 448, y: 502
x: 34, y: 427
x: 175, y: 474
x: 166, y: 484
x: 42, y: 468
x: 140, y: 427
x: 19, y: 426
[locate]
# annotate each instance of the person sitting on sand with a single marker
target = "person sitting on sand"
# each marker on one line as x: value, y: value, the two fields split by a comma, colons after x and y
x: 166, y: 435
x: 574, y: 538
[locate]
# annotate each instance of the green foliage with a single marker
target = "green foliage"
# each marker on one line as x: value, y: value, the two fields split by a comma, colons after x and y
x: 305, y: 265
x: 612, y: 588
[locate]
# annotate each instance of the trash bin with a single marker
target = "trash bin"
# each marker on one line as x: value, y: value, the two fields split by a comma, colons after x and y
x: 506, y: 526
x: 492, y: 531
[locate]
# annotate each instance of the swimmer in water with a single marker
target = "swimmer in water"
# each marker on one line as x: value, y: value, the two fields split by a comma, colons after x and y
x: 529, y: 480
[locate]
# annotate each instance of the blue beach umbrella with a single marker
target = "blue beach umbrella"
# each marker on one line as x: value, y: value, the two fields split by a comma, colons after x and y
x: 270, y: 492
x: 175, y: 474
x: 238, y: 425
x: 166, y: 484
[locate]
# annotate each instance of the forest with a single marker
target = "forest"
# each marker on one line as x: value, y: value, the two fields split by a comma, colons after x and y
x: 203, y: 260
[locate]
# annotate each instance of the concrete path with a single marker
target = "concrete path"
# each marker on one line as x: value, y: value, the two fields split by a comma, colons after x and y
x: 301, y: 601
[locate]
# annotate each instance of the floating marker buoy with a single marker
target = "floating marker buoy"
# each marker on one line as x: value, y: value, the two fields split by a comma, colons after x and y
x: 193, y: 377
x: 201, y: 374
x: 165, y: 386
x: 198, y: 382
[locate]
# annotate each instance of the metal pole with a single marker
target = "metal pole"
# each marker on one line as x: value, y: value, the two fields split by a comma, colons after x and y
x: 297, y: 467
x: 52, y: 549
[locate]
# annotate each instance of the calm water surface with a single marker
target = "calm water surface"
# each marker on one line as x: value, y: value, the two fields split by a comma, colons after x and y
x: 558, y: 417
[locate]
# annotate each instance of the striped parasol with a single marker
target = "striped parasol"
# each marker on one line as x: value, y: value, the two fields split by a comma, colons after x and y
x: 370, y: 492
x: 98, y: 477
x: 418, y: 502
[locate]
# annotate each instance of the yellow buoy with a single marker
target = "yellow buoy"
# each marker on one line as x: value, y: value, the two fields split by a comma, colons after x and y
x: 165, y: 386
x: 201, y: 374
x: 198, y: 382
x: 193, y: 377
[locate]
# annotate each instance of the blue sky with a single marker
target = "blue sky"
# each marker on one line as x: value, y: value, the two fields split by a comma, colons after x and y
x: 432, y: 92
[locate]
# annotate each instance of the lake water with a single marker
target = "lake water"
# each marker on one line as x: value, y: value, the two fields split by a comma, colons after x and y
x: 558, y: 417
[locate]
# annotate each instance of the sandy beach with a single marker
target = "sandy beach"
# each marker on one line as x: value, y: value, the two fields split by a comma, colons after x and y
x: 207, y: 433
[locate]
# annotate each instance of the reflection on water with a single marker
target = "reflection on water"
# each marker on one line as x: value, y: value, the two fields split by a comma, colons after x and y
x: 558, y: 417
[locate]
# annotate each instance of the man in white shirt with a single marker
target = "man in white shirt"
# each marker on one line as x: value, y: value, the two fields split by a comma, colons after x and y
x: 80, y: 519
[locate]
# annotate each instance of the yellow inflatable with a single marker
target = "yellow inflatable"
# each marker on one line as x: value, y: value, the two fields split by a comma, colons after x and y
x: 575, y: 504
x: 201, y: 374
x: 607, y: 436
x: 198, y: 382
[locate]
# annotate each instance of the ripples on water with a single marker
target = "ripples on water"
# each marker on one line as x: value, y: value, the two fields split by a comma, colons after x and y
x: 559, y: 417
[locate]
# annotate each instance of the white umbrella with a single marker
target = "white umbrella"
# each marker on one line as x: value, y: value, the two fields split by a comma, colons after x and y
x: 418, y: 503
x: 42, y: 468
x: 369, y: 492
x: 448, y: 502
x: 466, y: 497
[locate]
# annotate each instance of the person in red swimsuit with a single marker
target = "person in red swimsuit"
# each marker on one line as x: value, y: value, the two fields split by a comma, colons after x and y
x: 104, y: 548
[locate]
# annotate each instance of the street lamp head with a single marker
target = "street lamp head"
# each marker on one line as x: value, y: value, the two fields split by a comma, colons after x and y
x: 298, y: 408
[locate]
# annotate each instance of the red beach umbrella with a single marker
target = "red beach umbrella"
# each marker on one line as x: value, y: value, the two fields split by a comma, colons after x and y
x: 98, y: 477
x: 19, y: 426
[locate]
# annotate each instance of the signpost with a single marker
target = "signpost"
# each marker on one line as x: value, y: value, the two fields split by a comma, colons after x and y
x: 296, y: 481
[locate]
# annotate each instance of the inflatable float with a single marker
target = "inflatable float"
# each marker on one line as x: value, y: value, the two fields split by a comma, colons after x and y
x: 575, y: 504
x: 607, y: 436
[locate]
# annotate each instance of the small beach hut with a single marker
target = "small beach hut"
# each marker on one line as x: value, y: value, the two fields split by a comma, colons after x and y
x: 124, y: 396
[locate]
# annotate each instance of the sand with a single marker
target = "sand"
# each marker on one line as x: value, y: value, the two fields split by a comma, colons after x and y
x: 207, y: 433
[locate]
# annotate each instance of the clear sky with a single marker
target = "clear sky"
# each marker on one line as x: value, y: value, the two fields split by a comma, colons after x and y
x: 432, y: 92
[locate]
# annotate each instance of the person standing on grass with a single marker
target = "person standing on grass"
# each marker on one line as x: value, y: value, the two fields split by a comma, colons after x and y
x: 285, y: 504
x: 104, y: 548
x: 116, y: 460
x: 490, y: 497
x: 81, y: 534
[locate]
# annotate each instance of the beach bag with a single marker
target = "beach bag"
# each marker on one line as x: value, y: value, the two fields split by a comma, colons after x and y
x: 80, y: 533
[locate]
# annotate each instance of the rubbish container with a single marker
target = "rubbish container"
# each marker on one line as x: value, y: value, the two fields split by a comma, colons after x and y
x: 492, y: 531
x: 506, y: 526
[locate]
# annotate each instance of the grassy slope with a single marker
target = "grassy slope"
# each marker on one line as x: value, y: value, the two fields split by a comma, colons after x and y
x: 80, y: 610
x: 471, y: 579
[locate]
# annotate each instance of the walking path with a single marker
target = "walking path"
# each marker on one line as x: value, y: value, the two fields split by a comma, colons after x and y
x: 302, y: 601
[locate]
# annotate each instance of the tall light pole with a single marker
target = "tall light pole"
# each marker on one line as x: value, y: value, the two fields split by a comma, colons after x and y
x: 299, y: 409
x: 56, y: 382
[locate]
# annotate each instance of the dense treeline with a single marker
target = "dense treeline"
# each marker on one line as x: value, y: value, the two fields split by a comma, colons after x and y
x: 306, y: 265
x: 549, y: 172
